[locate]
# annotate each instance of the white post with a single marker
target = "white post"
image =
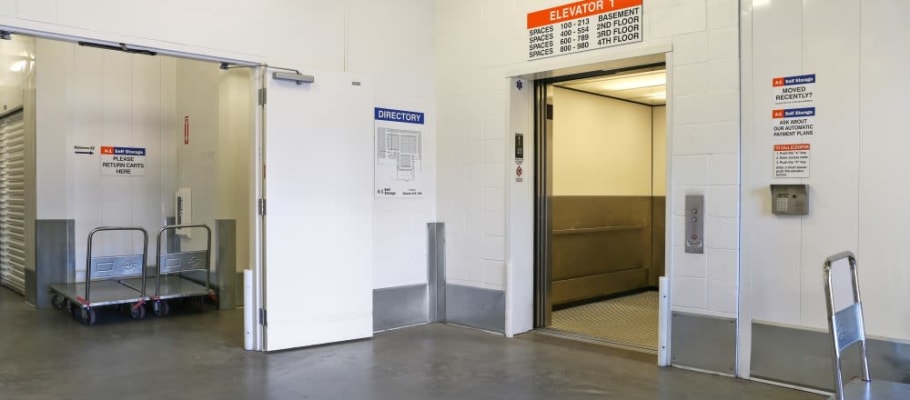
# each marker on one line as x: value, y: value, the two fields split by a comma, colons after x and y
x: 663, y: 345
x: 249, y: 310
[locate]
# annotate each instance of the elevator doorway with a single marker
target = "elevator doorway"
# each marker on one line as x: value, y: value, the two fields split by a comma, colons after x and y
x: 602, y: 204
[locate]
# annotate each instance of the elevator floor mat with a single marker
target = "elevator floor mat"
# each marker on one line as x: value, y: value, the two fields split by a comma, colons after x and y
x: 628, y: 321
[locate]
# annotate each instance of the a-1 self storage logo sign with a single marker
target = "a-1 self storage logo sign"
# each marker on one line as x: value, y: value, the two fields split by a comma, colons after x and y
x: 122, y: 161
x: 789, y: 122
x: 793, y: 90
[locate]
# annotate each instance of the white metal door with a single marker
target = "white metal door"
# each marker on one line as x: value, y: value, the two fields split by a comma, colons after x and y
x: 12, y: 202
x: 318, y: 218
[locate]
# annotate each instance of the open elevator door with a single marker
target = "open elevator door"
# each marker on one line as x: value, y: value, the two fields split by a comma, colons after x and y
x: 317, y: 222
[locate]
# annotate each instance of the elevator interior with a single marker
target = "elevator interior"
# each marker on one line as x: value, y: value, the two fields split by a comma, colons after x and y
x: 605, y: 180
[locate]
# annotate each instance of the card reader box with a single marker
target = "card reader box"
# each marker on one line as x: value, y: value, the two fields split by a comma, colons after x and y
x: 790, y: 199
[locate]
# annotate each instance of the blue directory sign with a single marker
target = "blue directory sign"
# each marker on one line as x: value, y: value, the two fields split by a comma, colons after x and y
x: 408, y: 117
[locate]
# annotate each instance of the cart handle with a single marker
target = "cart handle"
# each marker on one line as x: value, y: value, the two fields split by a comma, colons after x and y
x: 208, y: 252
x: 88, y: 256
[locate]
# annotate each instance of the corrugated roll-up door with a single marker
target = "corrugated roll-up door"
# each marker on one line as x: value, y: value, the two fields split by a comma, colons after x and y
x: 12, y: 202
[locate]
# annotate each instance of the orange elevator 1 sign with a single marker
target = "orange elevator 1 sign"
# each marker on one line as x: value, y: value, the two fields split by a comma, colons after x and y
x: 582, y: 26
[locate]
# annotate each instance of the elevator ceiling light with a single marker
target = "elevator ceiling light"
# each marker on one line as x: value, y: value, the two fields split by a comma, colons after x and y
x: 633, y: 81
x: 646, y: 87
x: 662, y: 96
x: 18, y: 66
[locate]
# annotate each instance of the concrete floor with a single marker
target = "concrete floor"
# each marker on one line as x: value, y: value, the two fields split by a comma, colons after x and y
x: 45, y: 354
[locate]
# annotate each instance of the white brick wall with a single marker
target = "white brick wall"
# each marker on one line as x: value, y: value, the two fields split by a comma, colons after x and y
x: 479, y: 41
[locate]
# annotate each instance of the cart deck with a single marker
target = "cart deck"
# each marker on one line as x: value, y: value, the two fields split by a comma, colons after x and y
x: 104, y: 293
x: 103, y: 281
x: 167, y: 283
x: 172, y: 287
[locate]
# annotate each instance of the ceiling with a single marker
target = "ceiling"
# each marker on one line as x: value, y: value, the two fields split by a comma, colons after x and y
x: 640, y: 86
x: 17, y: 60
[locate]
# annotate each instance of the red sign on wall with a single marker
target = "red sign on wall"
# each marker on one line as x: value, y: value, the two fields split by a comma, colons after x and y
x: 186, y: 129
x: 584, y: 25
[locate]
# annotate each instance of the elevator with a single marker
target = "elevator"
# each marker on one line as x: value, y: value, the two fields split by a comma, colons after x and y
x: 601, y: 205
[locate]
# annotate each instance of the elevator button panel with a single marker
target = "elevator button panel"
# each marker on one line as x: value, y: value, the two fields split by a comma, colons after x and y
x: 695, y: 224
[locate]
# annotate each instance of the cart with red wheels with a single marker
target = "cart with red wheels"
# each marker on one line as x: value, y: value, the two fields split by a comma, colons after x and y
x: 171, y: 280
x: 104, y: 281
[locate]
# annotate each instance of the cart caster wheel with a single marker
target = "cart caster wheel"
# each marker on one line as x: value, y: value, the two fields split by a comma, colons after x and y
x: 198, y: 303
x: 87, y: 316
x: 58, y: 302
x: 137, y: 311
x: 161, y: 308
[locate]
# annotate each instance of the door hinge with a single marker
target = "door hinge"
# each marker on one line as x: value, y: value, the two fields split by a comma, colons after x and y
x: 263, y: 317
x: 262, y: 96
x: 261, y: 207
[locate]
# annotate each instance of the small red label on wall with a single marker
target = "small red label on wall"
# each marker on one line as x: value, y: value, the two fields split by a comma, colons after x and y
x: 186, y: 129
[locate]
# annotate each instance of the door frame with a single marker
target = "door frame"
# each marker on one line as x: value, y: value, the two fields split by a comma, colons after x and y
x: 522, y: 196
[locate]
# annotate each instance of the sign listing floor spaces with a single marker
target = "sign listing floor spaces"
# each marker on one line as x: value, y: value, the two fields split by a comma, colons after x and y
x: 582, y: 26
x: 398, y: 153
x: 792, y: 160
x: 122, y: 161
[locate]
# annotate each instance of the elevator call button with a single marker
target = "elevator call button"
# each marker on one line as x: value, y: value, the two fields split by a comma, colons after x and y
x: 695, y: 225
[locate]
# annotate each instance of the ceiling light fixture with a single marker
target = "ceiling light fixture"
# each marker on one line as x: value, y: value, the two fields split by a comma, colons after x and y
x: 18, y: 66
x: 658, y: 96
x: 633, y: 82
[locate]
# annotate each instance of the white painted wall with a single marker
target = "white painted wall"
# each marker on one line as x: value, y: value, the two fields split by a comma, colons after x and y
x: 217, y: 161
x: 91, y: 97
x: 857, y: 202
x: 389, y: 40
x: 601, y: 146
x: 200, y: 164
x: 235, y: 164
x: 115, y: 99
x: 479, y: 43
x: 392, y: 42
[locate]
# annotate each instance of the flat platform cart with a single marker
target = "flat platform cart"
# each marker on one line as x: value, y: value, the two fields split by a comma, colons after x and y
x: 169, y: 282
x: 103, y: 284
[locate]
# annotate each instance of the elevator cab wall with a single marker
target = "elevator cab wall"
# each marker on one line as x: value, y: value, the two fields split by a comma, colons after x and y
x: 608, y: 193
